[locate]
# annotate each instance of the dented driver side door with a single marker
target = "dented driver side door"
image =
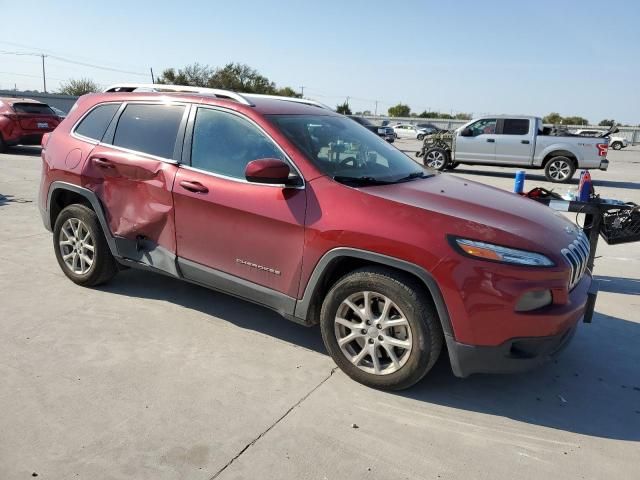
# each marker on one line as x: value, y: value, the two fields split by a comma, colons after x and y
x: 132, y: 171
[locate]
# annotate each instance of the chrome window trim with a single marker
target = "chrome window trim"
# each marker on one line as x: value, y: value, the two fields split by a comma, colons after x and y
x: 262, y: 130
x: 90, y: 140
x: 141, y: 154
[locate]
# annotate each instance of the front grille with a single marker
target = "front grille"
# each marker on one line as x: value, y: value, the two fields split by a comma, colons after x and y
x: 577, y: 255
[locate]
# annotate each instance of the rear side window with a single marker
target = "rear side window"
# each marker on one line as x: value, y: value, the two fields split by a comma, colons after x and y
x: 515, y: 126
x: 96, y: 122
x: 32, y: 108
x: 150, y: 129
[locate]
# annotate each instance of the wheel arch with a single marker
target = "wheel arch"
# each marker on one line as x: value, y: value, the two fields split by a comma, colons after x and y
x: 339, y: 261
x: 560, y: 153
x: 63, y: 194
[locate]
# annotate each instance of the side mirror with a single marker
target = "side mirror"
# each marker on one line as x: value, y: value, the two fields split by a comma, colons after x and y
x: 267, y: 170
x: 466, y: 132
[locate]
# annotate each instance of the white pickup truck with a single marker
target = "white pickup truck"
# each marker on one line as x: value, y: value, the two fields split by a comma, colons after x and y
x: 516, y: 141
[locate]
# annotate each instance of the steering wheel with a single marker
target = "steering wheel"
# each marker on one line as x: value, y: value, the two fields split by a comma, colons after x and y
x: 345, y: 162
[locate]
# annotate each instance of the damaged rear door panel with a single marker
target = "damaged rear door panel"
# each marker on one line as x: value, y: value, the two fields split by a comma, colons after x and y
x: 132, y: 171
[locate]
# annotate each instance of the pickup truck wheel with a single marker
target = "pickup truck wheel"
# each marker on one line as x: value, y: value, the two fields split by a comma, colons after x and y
x: 616, y: 146
x: 380, y: 328
x: 559, y: 169
x: 436, y: 158
x: 81, y: 248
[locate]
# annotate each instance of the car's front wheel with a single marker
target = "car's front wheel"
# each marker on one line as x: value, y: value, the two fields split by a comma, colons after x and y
x: 81, y: 248
x: 436, y: 158
x: 381, y: 328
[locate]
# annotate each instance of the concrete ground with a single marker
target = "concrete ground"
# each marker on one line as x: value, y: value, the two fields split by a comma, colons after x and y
x: 150, y: 378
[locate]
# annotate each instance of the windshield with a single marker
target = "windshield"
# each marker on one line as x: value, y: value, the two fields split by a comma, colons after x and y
x: 347, y: 151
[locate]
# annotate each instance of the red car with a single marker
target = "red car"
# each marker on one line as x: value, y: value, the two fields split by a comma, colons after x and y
x: 287, y: 204
x: 24, y: 121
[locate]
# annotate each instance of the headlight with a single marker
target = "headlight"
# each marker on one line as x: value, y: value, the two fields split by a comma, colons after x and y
x: 489, y: 251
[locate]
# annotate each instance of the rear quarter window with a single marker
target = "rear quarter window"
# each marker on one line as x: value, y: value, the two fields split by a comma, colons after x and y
x: 32, y: 108
x: 95, y: 124
x: 151, y: 129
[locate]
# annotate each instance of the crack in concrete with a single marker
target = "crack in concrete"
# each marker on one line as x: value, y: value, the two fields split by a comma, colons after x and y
x: 253, y: 442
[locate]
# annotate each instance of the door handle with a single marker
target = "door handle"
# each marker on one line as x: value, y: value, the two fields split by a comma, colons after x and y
x: 195, y: 187
x: 103, y: 163
x: 491, y: 140
x: 526, y: 142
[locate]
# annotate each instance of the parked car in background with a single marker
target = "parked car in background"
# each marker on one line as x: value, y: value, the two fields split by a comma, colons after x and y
x: 23, y: 121
x: 382, y: 131
x: 516, y: 141
x: 61, y: 113
x: 407, y: 130
x: 429, y: 128
x: 285, y: 203
x: 615, y: 142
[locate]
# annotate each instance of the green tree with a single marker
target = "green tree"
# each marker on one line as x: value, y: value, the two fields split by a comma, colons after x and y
x: 233, y: 76
x: 77, y: 87
x: 607, y: 123
x: 399, y: 110
x: 554, y: 117
x: 575, y: 120
x: 463, y: 116
x: 344, y: 108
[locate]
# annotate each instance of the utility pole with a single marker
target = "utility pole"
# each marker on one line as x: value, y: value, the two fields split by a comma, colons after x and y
x: 302, y: 91
x: 44, y: 75
x: 152, y: 79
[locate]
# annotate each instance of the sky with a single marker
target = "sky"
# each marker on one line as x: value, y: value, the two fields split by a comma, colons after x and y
x: 520, y: 57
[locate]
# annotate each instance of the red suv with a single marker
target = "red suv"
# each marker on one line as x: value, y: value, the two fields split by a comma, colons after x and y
x: 24, y: 121
x: 287, y: 204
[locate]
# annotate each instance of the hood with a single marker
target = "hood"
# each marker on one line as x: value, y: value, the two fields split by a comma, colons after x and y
x: 480, y: 212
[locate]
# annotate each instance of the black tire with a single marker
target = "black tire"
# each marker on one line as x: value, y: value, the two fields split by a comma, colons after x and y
x: 421, y: 137
x: 555, y: 165
x: 441, y: 156
x: 616, y: 145
x: 104, y: 267
x: 3, y: 145
x: 411, y: 298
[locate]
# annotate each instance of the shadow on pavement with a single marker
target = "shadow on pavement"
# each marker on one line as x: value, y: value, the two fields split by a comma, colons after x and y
x: 593, y: 388
x: 26, y: 150
x: 7, y: 199
x: 541, y: 178
x: 627, y: 286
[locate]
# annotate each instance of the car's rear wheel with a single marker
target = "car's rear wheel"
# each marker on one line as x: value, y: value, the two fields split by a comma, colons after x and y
x: 616, y: 145
x: 436, y: 158
x: 380, y: 328
x: 81, y: 248
x: 3, y: 145
x: 421, y: 137
x: 559, y: 169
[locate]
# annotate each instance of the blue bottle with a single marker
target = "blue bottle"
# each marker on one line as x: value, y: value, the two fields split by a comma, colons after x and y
x: 585, y: 187
x: 518, y: 187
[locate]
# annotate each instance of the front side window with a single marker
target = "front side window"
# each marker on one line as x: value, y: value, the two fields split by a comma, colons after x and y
x: 150, y: 129
x: 346, y: 151
x: 515, y: 126
x: 486, y: 126
x: 224, y: 143
x: 96, y: 122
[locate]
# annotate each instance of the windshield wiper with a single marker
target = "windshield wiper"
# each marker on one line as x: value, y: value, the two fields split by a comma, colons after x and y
x: 362, y: 181
x: 413, y: 175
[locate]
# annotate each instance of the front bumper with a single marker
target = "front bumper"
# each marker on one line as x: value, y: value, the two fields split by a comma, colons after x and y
x: 604, y: 164
x: 516, y: 354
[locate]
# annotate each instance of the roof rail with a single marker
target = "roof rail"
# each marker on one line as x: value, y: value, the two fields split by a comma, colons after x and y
x: 159, y: 87
x: 289, y: 99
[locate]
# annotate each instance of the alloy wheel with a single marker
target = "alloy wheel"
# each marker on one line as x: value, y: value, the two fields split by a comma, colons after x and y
x: 373, y: 333
x: 559, y: 170
x: 435, y: 159
x: 77, y: 246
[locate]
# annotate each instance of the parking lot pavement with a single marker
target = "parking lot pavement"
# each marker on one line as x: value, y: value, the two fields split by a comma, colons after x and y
x: 148, y: 377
